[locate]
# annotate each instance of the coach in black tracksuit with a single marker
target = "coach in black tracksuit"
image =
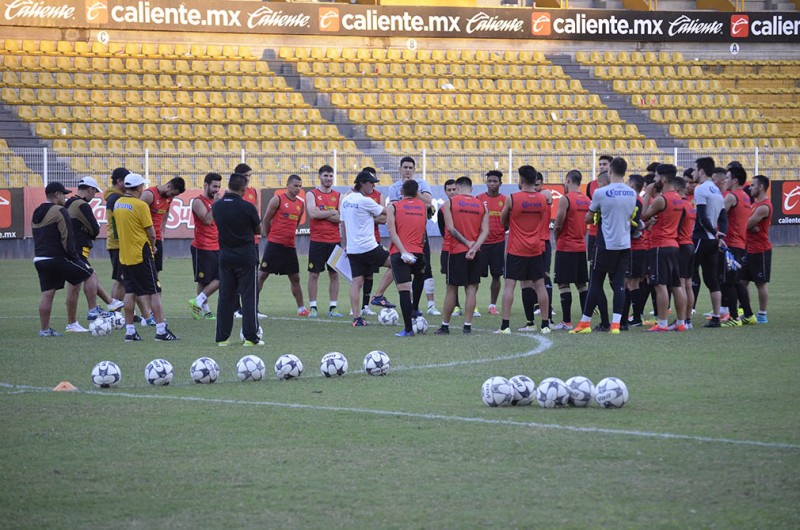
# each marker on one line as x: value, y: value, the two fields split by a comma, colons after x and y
x: 237, y: 221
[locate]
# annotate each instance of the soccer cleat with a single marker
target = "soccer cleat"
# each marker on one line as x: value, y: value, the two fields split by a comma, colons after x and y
x: 602, y: 328
x: 259, y: 314
x: 615, y: 329
x: 433, y: 311
x: 635, y: 324
x: 381, y: 301
x: 656, y: 329
x: 237, y: 314
x: 149, y: 321
x: 749, y: 321
x: 97, y: 312
x: 545, y: 331
x: 115, y: 304
x: 564, y: 326
x: 732, y: 323
x: 404, y: 333
x: 581, y: 328
x: 689, y: 325
x: 679, y: 328
x: 493, y: 310
x: 457, y: 311
x: 761, y: 319
x: 527, y: 328
x: 442, y: 331
x: 208, y: 315
x: 76, y: 328
x: 366, y: 311
x: 166, y: 336
x: 133, y: 337
x: 623, y: 326
x: 303, y: 312
x: 708, y: 315
x: 649, y: 322
x: 506, y: 331
x: 50, y: 332
x: 467, y: 330
x: 359, y: 321
x: 335, y: 314
x: 197, y: 311
x: 476, y: 313
x: 416, y: 313
x: 223, y: 343
x: 713, y: 323
x: 537, y: 310
x: 249, y: 343
x: 312, y: 313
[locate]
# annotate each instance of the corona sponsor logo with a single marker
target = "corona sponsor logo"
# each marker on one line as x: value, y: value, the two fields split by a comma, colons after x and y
x: 540, y: 24
x: 740, y: 26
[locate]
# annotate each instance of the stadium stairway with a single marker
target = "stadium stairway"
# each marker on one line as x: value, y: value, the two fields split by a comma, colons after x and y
x: 615, y: 101
x: 24, y: 143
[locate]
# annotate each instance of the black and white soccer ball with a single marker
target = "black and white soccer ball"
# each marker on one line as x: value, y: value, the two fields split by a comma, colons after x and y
x: 118, y: 320
x: 333, y: 364
x: 497, y: 392
x: 524, y: 390
x: 106, y: 374
x: 419, y: 325
x: 100, y: 327
x: 250, y: 368
x: 204, y: 370
x: 611, y: 393
x: 581, y: 391
x: 158, y: 372
x: 377, y: 362
x: 552, y: 392
x: 259, y: 333
x: 288, y: 366
x: 388, y: 316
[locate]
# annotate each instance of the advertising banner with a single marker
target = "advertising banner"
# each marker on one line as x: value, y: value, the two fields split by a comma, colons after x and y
x: 12, y: 214
x: 785, y: 202
x: 405, y: 21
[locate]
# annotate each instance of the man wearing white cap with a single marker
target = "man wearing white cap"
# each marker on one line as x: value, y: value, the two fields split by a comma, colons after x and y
x: 137, y: 239
x: 86, y: 229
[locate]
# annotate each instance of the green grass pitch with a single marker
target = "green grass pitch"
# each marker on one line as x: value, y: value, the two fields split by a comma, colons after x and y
x: 710, y: 437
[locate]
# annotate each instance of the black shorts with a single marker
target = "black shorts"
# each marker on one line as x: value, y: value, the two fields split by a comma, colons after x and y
x: 732, y: 277
x: 522, y: 268
x: 53, y: 273
x: 116, y: 268
x: 638, y: 264
x: 663, y: 266
x: 403, y: 271
x: 686, y: 261
x: 758, y: 266
x: 159, y: 255
x: 141, y: 279
x: 571, y: 267
x: 547, y: 257
x: 279, y: 259
x: 443, y: 261
x: 612, y: 261
x: 318, y: 254
x: 493, y: 257
x: 367, y: 263
x: 463, y: 271
x: 205, y: 264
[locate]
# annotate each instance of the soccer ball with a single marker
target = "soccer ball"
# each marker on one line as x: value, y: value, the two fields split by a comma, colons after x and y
x: 118, y: 320
x: 524, y: 390
x: 250, y: 368
x: 497, y: 392
x: 376, y: 362
x: 100, y: 327
x: 204, y: 370
x: 552, y: 392
x: 333, y: 364
x: 419, y: 325
x: 106, y: 374
x: 388, y: 317
x: 288, y: 366
x: 158, y: 372
x: 612, y: 393
x: 581, y: 391
x: 260, y: 334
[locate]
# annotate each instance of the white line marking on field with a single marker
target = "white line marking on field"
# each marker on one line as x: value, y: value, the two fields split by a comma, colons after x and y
x: 438, y: 417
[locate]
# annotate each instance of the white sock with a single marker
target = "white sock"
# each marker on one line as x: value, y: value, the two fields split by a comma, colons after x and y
x: 334, y: 303
x: 431, y: 304
x: 312, y: 303
x: 161, y: 327
x: 206, y: 308
x: 492, y: 306
x: 201, y: 299
x: 130, y: 329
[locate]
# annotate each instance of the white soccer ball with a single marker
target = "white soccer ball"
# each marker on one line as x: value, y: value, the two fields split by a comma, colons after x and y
x: 159, y: 372
x: 250, y: 368
x: 376, y: 362
x: 611, y: 393
x: 333, y: 364
x: 204, y: 370
x: 288, y: 366
x: 581, y: 391
x: 118, y: 320
x: 497, y: 392
x: 260, y: 334
x: 524, y: 390
x: 388, y: 316
x: 419, y: 325
x: 552, y: 392
x: 106, y: 374
x: 100, y: 327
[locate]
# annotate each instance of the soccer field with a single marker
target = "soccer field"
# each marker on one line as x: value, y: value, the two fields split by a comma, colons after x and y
x: 709, y: 438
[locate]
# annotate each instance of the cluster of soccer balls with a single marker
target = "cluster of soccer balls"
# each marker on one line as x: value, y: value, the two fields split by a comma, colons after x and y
x: 102, y: 326
x: 205, y: 370
x: 552, y: 392
x: 390, y: 317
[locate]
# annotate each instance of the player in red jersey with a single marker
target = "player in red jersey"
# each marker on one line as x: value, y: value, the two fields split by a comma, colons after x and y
x: 686, y: 247
x: 279, y: 225
x: 205, y: 247
x: 570, y: 234
x: 159, y: 199
x: 322, y: 205
x: 493, y: 252
x: 634, y: 297
x: 737, y: 206
x: 759, y: 248
x: 591, y: 240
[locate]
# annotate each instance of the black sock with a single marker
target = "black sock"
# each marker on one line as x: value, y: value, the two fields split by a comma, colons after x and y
x: 405, y: 307
x: 529, y: 302
x: 637, y: 302
x: 548, y: 285
x: 582, y: 299
x: 566, y: 306
x: 367, y: 291
x: 505, y: 324
x: 627, y: 310
x: 744, y: 299
x: 545, y: 323
x: 416, y: 287
x: 457, y: 304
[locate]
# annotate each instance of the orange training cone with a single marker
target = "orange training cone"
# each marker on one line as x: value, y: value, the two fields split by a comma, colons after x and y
x: 64, y: 386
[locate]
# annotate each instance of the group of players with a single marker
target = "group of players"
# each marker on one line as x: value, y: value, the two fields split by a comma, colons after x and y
x: 651, y: 235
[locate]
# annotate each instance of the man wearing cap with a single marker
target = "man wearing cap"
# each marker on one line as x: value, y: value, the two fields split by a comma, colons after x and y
x: 86, y: 229
x: 366, y: 255
x: 137, y: 239
x: 56, y: 260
